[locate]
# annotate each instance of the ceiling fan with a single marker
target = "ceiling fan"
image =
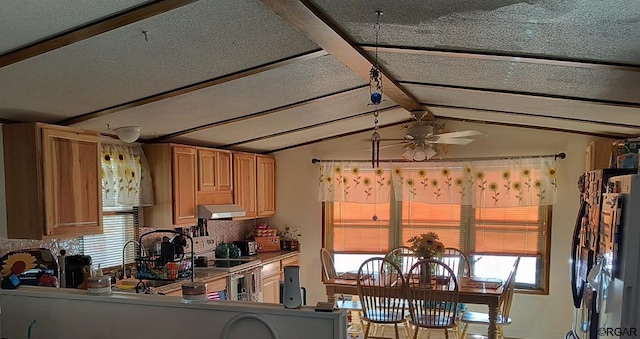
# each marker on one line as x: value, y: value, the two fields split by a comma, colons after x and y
x: 421, y: 140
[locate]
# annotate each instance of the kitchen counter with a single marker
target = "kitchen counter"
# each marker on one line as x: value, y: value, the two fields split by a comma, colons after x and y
x: 205, y: 274
x: 269, y: 257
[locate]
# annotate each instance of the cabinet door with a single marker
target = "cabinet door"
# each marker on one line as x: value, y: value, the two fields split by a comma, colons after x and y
x: 72, y: 180
x: 271, y: 289
x: 266, y: 186
x: 225, y: 182
x: 207, y: 173
x: 184, y: 186
x: 244, y: 182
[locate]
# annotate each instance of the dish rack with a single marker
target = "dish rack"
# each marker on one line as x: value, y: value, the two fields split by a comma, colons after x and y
x: 153, y: 267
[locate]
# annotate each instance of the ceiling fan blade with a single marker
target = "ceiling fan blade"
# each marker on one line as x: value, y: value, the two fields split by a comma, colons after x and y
x: 451, y: 141
x: 459, y: 134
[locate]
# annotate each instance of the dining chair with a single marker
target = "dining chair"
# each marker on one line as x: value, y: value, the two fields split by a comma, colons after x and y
x: 381, y: 290
x: 433, y: 298
x: 458, y: 261
x: 503, y: 311
x: 404, y: 257
x: 353, y: 307
x: 328, y: 268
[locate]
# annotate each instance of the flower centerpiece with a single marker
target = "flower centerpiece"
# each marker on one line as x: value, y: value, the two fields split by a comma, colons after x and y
x: 426, y: 245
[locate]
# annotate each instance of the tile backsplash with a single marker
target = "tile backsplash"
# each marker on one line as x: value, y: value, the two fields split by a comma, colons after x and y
x: 71, y: 245
x: 220, y: 230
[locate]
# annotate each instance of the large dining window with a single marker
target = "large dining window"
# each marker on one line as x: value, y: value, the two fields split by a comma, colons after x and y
x: 493, y: 213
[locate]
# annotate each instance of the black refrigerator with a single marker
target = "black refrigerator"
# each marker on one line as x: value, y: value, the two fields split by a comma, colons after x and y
x: 585, y: 247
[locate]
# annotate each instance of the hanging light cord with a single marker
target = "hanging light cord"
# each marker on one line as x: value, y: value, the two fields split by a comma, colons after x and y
x: 375, y: 91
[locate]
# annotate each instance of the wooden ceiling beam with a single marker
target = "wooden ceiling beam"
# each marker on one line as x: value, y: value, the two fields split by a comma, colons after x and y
x: 318, y: 27
x: 91, y: 29
x: 507, y: 57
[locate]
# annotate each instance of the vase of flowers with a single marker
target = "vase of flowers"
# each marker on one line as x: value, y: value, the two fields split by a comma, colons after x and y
x: 426, y: 246
x: 289, y: 239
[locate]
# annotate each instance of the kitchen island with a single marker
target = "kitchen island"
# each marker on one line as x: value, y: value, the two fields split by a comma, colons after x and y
x: 72, y: 313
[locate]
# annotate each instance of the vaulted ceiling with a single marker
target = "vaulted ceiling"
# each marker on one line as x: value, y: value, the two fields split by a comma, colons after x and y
x: 270, y: 75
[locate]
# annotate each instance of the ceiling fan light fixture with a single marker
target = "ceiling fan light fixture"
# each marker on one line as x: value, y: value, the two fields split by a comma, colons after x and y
x: 128, y: 134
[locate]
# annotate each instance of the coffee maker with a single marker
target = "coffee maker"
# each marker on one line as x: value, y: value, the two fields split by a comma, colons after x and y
x: 73, y: 269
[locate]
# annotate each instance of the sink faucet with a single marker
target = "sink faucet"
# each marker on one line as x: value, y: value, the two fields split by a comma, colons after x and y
x: 142, y: 254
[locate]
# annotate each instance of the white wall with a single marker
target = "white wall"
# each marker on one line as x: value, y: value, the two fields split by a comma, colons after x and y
x: 71, y: 313
x: 535, y: 316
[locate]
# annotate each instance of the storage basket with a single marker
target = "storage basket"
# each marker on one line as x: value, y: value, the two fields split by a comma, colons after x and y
x: 157, y: 269
x: 272, y: 232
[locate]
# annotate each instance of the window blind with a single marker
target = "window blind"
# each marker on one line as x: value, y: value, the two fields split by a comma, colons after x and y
x: 118, y: 227
x: 354, y: 229
x: 444, y: 220
x: 508, y: 231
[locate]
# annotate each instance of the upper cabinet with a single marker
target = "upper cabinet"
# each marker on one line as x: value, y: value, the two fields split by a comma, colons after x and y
x: 254, y: 184
x: 215, y: 184
x: 173, y: 173
x: 52, y: 181
x: 244, y: 182
x: 266, y: 186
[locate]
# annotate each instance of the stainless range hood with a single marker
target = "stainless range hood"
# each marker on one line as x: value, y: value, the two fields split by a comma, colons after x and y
x: 220, y: 211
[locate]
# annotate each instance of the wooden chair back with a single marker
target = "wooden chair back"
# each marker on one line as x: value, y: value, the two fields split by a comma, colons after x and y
x: 328, y: 268
x: 457, y: 261
x: 381, y: 291
x: 433, y: 298
x: 510, y: 285
x: 404, y: 257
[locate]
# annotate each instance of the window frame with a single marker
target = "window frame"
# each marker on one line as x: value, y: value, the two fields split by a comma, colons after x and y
x: 395, y: 231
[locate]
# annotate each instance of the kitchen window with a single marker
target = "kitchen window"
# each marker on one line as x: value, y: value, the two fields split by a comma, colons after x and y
x: 126, y: 186
x: 492, y: 222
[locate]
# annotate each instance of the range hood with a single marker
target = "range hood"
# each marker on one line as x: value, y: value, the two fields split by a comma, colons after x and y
x: 220, y: 211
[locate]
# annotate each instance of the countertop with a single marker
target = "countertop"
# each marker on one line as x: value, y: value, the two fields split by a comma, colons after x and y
x: 208, y: 274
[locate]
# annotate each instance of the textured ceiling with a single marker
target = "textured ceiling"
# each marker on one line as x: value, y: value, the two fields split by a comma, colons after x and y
x: 274, y: 74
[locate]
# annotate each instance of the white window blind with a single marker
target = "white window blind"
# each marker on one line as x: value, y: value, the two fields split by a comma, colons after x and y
x: 118, y: 227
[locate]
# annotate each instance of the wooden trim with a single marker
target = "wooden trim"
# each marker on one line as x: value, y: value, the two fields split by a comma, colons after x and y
x: 453, y: 119
x: 91, y: 29
x: 508, y: 57
x: 528, y: 94
x: 257, y: 114
x: 357, y: 115
x: 193, y: 87
x: 318, y: 27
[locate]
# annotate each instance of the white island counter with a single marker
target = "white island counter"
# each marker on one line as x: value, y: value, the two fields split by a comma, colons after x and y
x: 70, y: 313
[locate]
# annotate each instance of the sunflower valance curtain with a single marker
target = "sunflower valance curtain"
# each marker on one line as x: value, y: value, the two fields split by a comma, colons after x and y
x: 126, y: 180
x: 481, y: 183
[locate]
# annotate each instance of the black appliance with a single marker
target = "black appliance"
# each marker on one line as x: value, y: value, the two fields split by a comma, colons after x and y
x: 585, y: 248
x: 247, y: 247
x: 73, y: 269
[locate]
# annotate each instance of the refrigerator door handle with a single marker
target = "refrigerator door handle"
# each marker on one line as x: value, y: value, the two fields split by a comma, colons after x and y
x: 576, y: 291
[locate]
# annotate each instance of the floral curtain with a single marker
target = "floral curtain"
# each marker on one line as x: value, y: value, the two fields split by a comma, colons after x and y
x: 126, y: 180
x: 354, y: 182
x: 483, y: 183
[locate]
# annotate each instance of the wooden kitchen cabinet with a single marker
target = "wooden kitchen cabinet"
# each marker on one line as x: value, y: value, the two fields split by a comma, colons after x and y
x: 265, y: 186
x: 271, y: 289
x: 244, y: 182
x: 53, y: 181
x: 173, y: 173
x: 215, y: 183
x: 272, y: 274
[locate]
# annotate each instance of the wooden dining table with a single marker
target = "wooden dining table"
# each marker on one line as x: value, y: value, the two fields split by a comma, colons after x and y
x: 467, y: 294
